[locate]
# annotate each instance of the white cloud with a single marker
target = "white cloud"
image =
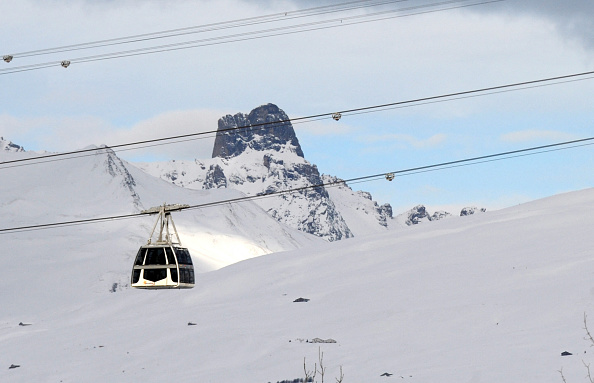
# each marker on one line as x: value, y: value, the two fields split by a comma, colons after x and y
x: 537, y: 135
x: 175, y: 123
x: 72, y: 133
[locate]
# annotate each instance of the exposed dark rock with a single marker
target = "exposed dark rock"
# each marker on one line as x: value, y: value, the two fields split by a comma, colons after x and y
x: 439, y: 215
x: 13, y: 366
x: 385, y: 213
x: 419, y: 213
x: 116, y: 168
x: 301, y: 300
x: 471, y: 210
x: 321, y: 217
x: 416, y: 214
x: 8, y: 146
x: 386, y: 374
x: 215, y: 178
x: 566, y: 353
x: 266, y: 127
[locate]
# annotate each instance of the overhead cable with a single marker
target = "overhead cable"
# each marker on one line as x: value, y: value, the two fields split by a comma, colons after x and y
x: 403, y: 172
x: 416, y: 101
x: 245, y: 36
x: 249, y: 21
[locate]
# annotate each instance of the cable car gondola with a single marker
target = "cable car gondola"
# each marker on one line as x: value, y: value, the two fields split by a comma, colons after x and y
x: 163, y: 264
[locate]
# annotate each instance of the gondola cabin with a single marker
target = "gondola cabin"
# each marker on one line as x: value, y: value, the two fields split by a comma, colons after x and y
x: 163, y: 263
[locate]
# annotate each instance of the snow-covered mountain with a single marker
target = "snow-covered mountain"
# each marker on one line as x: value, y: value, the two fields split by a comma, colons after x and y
x: 493, y: 297
x: 261, y: 159
x: 101, y: 184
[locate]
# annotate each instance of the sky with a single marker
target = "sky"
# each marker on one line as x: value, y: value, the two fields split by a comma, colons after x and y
x: 345, y: 67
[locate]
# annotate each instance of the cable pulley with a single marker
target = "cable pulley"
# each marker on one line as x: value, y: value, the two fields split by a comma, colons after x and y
x: 336, y: 116
x: 7, y: 58
x: 65, y: 63
x: 165, y: 208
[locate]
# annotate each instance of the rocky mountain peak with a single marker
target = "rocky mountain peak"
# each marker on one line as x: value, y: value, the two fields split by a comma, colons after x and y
x: 8, y: 146
x: 264, y: 157
x: 267, y: 127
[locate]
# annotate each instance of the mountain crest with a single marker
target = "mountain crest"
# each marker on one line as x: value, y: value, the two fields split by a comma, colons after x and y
x: 117, y: 169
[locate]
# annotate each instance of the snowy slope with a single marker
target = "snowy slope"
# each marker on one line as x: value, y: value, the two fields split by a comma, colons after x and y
x: 494, y: 297
x: 101, y: 185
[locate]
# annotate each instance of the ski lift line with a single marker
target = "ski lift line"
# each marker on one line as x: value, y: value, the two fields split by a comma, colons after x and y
x: 160, y: 140
x: 67, y: 223
x: 241, y: 199
x: 434, y: 169
x: 30, y: 68
x: 92, y: 153
x: 42, y: 161
x: 280, y: 15
x: 336, y: 116
x: 238, y: 38
x: 283, y: 16
x: 147, y: 212
x: 272, y: 32
x: 368, y: 109
x: 465, y: 97
x: 452, y: 96
x: 480, y: 158
x: 326, y: 185
x: 399, y: 173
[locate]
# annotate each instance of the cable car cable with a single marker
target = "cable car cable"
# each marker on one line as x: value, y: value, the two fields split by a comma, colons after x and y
x: 419, y: 101
x: 294, y: 123
x: 403, y: 172
x: 282, y: 16
x: 237, y: 37
x: 240, y: 36
x: 466, y: 96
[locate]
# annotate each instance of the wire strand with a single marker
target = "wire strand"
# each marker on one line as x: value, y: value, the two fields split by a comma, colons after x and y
x: 400, y: 173
x: 282, y: 16
x: 417, y: 101
x: 273, y: 32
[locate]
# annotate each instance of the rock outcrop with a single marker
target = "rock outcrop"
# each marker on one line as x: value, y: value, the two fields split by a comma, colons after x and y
x: 265, y: 128
x: 8, y: 146
x: 471, y: 210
